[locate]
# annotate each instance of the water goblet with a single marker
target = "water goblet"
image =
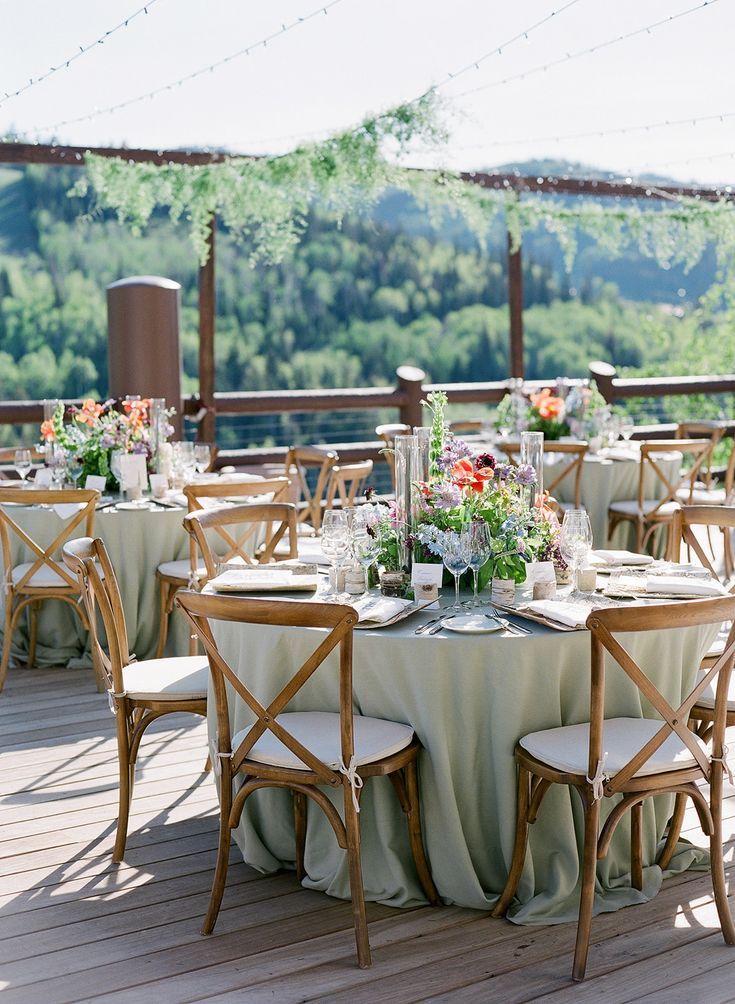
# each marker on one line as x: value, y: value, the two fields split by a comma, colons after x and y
x: 480, y: 551
x: 627, y: 428
x: 202, y: 457
x: 575, y: 540
x: 74, y: 467
x: 23, y: 463
x: 335, y: 542
x: 366, y: 548
x: 456, y: 558
x: 57, y: 465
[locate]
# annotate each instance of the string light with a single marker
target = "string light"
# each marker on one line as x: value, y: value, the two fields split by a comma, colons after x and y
x: 601, y: 133
x: 83, y: 49
x: 567, y: 57
x: 261, y: 43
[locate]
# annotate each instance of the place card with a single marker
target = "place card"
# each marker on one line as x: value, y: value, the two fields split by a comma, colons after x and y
x: 95, y: 482
x: 426, y: 579
x: 540, y: 571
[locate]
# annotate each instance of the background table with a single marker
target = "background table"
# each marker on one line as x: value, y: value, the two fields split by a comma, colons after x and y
x: 469, y: 699
x: 137, y: 541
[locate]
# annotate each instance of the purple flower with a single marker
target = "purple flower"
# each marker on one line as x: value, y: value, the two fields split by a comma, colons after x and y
x: 485, y: 460
x: 455, y: 450
x: 446, y: 495
x: 525, y: 474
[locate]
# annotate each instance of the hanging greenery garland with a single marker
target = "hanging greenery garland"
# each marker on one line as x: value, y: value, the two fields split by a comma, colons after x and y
x: 266, y: 200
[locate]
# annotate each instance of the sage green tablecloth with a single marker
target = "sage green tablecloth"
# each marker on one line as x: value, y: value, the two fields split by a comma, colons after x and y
x: 137, y: 541
x: 605, y: 481
x: 469, y: 699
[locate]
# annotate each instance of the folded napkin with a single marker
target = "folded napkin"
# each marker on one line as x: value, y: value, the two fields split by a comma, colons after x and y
x: 621, y: 453
x: 68, y: 509
x: 601, y: 557
x: 257, y: 579
x: 310, y: 549
x: 239, y: 478
x: 688, y: 586
x: 379, y: 609
x: 571, y: 614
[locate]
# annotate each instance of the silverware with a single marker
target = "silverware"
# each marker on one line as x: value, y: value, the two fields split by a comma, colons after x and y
x: 440, y: 626
x: 505, y: 623
x: 424, y: 628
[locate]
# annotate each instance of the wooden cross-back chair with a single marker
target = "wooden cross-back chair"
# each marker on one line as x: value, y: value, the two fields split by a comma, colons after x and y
x: 189, y: 572
x: 570, y: 471
x: 299, y: 460
x: 237, y: 528
x: 388, y: 433
x: 649, y: 512
x: 635, y: 758
x: 44, y: 577
x: 138, y: 692
x: 346, y: 482
x: 303, y: 751
x: 466, y: 425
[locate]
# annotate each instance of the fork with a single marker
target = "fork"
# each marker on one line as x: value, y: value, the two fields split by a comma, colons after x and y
x: 505, y: 623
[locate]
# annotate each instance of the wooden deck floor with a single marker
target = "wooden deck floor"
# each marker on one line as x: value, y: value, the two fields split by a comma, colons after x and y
x: 77, y: 928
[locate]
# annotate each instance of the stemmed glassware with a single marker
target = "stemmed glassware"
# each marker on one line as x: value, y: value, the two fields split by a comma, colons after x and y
x: 365, y: 546
x: 57, y: 464
x: 74, y: 467
x: 480, y: 551
x: 335, y: 542
x: 456, y: 557
x: 626, y: 428
x: 23, y: 463
x: 202, y: 457
x: 575, y: 540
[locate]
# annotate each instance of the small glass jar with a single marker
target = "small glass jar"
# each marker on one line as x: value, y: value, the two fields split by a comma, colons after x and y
x: 393, y: 583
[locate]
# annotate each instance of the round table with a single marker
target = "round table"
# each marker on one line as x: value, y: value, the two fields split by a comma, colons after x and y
x: 137, y: 541
x: 469, y: 699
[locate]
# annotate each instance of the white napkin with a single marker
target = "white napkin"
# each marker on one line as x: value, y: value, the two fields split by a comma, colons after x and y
x: 239, y: 478
x: 601, y: 557
x: 310, y: 549
x: 262, y: 580
x: 571, y: 614
x: 67, y: 509
x: 683, y: 584
x: 621, y: 453
x: 379, y: 609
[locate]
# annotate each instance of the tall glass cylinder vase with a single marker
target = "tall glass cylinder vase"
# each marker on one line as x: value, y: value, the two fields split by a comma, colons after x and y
x: 159, y: 431
x: 407, y: 452
x: 423, y: 442
x: 532, y: 453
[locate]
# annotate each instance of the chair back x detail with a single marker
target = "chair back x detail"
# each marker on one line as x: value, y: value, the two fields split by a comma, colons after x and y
x: 237, y: 527
x: 572, y: 458
x: 43, y: 577
x: 279, y: 748
x: 633, y: 758
x: 299, y: 460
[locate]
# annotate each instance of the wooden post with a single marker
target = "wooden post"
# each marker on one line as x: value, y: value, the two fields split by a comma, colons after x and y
x: 410, y: 380
x: 207, y: 311
x: 515, y: 309
x: 603, y: 374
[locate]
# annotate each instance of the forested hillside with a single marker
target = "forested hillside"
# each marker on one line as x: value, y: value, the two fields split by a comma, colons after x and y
x: 346, y: 309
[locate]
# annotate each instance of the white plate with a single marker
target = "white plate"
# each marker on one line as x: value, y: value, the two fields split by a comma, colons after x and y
x: 133, y: 506
x: 472, y: 624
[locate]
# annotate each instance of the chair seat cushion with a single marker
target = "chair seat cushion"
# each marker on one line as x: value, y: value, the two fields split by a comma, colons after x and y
x: 629, y: 507
x: 179, y: 570
x: 44, y: 578
x: 707, y: 700
x: 183, y: 678
x: 319, y: 732
x: 566, y: 748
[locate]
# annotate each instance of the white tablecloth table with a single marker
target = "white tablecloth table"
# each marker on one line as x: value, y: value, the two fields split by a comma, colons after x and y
x: 469, y: 699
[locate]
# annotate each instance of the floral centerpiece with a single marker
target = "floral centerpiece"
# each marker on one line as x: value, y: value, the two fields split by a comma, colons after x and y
x: 582, y: 413
x: 95, y: 431
x: 464, y: 487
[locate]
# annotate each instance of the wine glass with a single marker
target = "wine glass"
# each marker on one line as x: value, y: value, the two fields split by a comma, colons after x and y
x: 365, y: 547
x: 335, y: 542
x: 74, y: 467
x: 202, y: 457
x: 456, y: 558
x: 480, y: 550
x: 626, y: 427
x: 23, y: 463
x: 57, y: 464
x: 575, y: 540
x: 116, y: 467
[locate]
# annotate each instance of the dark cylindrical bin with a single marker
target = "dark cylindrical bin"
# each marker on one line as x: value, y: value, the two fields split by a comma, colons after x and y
x: 144, y: 353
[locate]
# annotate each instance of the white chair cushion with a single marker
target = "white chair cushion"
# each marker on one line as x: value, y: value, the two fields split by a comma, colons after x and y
x: 180, y: 569
x: 319, y: 732
x: 183, y: 678
x: 707, y: 700
x: 45, y: 577
x: 566, y: 748
x: 629, y: 507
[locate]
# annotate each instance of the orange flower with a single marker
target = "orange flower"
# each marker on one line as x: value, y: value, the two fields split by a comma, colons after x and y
x: 465, y: 476
x: 548, y: 406
x: 47, y: 430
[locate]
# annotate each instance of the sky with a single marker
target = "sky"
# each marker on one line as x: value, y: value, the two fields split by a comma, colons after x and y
x: 330, y: 71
